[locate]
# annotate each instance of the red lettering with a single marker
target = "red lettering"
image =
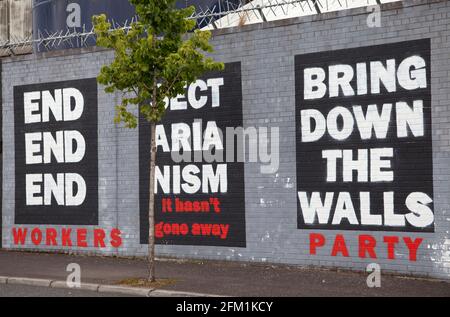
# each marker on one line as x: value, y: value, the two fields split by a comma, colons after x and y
x: 184, y: 229
x: 206, y: 229
x: 367, y: 244
x: 81, y: 238
x: 195, y: 206
x: 216, y: 203
x: 99, y: 238
x: 391, y: 242
x: 412, y: 247
x: 19, y: 235
x: 158, y: 230
x: 315, y: 240
x: 339, y: 246
x: 36, y: 236
x: 116, y: 239
x: 65, y: 237
x: 50, y: 236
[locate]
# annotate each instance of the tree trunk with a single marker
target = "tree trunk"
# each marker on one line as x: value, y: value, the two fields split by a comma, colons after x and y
x: 151, y: 206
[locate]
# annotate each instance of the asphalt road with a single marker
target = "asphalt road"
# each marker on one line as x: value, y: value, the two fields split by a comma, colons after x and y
x: 35, y: 291
x: 220, y: 278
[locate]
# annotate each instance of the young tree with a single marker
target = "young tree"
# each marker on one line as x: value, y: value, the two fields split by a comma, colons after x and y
x: 155, y: 58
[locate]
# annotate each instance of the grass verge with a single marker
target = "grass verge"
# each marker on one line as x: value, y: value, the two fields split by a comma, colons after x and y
x: 144, y: 283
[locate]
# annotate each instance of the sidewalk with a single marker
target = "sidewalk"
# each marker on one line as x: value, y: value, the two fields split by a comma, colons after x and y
x: 219, y: 278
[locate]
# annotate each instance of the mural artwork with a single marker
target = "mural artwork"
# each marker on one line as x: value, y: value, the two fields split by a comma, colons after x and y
x: 199, y: 190
x: 363, y: 119
x: 56, y: 164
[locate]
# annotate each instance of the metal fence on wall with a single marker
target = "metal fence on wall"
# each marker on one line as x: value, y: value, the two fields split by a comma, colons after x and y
x: 217, y: 14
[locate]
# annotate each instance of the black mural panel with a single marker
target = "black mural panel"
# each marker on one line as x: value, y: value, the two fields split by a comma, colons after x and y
x: 203, y: 202
x: 364, y: 146
x: 56, y: 153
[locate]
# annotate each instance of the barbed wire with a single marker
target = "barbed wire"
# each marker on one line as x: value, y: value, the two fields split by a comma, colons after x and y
x: 205, y: 17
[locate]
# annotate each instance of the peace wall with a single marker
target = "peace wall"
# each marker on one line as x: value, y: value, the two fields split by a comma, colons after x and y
x: 348, y: 162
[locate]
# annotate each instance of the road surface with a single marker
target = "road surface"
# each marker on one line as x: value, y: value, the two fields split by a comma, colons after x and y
x: 13, y: 290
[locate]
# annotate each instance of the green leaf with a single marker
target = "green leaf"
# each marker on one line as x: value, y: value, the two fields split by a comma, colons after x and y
x: 154, y: 59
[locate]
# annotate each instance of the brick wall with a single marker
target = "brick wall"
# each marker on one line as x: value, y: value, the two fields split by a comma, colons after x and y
x: 267, y: 56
